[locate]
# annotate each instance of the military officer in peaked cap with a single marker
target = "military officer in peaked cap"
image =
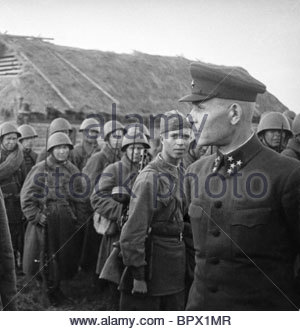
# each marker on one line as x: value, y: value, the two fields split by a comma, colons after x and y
x: 243, y: 201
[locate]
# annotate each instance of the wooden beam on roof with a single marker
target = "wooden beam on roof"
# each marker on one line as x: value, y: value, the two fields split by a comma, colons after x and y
x: 26, y: 37
x: 52, y: 85
x: 87, y: 78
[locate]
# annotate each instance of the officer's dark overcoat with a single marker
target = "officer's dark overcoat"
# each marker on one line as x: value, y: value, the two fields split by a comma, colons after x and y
x: 244, y: 211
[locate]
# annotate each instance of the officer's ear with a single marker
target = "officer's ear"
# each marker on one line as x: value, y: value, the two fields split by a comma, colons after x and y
x: 235, y: 113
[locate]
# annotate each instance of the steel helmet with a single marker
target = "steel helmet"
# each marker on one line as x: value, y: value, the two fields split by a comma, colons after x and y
x: 57, y: 139
x: 290, y: 115
x: 90, y: 123
x: 141, y: 127
x: 296, y: 125
x: 59, y: 124
x: 6, y: 128
x: 112, y: 126
x: 27, y: 131
x: 131, y: 139
x: 274, y: 121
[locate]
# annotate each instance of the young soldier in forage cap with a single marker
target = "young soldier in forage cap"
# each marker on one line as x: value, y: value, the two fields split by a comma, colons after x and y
x: 243, y: 201
x: 151, y: 240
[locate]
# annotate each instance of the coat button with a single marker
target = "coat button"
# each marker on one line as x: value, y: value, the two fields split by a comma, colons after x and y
x: 218, y: 204
x: 215, y: 232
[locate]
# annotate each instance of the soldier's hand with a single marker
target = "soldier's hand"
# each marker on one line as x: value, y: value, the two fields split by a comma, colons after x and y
x: 43, y: 220
x: 96, y: 217
x: 96, y: 221
x: 139, y: 287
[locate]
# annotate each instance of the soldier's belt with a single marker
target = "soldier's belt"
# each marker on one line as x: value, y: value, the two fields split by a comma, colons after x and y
x: 58, y: 202
x: 178, y: 236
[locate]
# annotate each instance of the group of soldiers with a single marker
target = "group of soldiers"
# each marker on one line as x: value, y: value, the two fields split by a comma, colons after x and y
x: 210, y: 222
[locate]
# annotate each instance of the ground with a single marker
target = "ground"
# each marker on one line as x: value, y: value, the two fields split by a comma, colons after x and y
x: 84, y: 291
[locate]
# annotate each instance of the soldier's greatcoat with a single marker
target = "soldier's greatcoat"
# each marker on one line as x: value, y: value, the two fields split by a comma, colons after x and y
x: 121, y: 173
x: 244, y: 211
x: 98, y: 162
x: 30, y: 158
x: 82, y: 152
x: 7, y: 266
x: 93, y: 170
x: 61, y: 200
x: 151, y: 240
x: 12, y: 176
x: 292, y: 149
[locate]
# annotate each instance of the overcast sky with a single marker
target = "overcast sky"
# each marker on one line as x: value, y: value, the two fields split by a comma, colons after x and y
x: 263, y: 36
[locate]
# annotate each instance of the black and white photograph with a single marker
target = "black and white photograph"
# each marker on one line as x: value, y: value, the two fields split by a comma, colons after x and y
x: 150, y: 163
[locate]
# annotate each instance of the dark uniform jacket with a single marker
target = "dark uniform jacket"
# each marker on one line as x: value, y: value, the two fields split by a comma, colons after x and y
x: 244, y: 211
x: 7, y: 265
x: 151, y: 240
x: 64, y: 198
x: 292, y: 149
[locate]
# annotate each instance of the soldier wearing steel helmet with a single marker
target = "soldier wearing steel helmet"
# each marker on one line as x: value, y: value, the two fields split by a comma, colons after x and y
x: 52, y: 195
x: 12, y: 176
x: 90, y: 129
x: 110, y: 153
x: 274, y: 131
x: 57, y: 125
x: 144, y: 130
x: 119, y: 174
x: 28, y: 136
x: 293, y: 146
x: 113, y: 135
x: 290, y: 115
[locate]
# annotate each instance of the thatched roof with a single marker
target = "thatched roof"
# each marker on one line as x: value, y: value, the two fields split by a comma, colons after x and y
x: 71, y: 80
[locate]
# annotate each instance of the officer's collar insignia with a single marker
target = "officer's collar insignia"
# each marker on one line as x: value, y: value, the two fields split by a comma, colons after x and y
x: 232, y: 165
x: 217, y: 162
x: 238, y: 158
x: 192, y: 83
